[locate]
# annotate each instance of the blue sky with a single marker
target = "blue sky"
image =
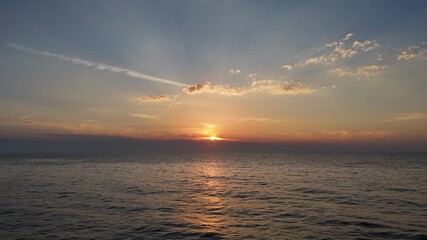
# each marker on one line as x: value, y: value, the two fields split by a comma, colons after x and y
x: 190, y: 39
x: 76, y: 67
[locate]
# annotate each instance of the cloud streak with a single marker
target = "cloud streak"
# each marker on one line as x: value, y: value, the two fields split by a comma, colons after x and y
x: 98, y: 66
x: 156, y: 98
x: 349, y: 135
x: 409, y: 117
x: 273, y: 87
x: 253, y: 120
x: 207, y: 87
x: 287, y: 67
x: 363, y: 72
x: 146, y: 116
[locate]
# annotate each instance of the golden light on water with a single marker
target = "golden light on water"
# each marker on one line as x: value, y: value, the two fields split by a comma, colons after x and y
x: 212, y: 199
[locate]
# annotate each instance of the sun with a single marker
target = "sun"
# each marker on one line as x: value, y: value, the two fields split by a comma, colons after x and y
x: 214, y: 138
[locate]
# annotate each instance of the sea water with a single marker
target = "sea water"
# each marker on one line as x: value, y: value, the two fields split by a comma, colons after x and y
x: 213, y: 196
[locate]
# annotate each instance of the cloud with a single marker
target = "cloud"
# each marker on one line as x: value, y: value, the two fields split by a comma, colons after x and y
x: 409, y: 117
x: 253, y: 120
x: 280, y: 88
x: 287, y: 67
x: 348, y: 37
x: 364, y: 72
x: 146, y: 116
x: 349, y: 135
x: 26, y: 119
x: 253, y: 76
x: 207, y: 87
x: 156, y: 98
x: 98, y: 66
x: 34, y: 126
x: 413, y: 52
x: 234, y: 71
x: 335, y: 51
x: 273, y: 87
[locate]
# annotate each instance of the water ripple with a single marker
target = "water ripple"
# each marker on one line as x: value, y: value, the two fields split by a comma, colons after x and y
x: 213, y: 196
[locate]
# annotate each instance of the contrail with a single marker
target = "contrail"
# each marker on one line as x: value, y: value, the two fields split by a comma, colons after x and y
x: 99, y: 66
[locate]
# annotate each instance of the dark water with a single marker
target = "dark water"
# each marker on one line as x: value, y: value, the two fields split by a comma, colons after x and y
x: 213, y: 196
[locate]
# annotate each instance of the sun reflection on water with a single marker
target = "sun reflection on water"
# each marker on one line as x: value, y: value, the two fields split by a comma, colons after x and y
x: 210, y: 213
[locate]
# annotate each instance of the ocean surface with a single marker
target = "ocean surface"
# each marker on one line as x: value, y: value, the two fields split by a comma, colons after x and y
x: 213, y: 196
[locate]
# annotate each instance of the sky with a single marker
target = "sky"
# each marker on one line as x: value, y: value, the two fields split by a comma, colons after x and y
x: 288, y: 73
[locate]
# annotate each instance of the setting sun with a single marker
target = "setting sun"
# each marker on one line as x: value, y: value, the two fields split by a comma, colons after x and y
x: 214, y: 138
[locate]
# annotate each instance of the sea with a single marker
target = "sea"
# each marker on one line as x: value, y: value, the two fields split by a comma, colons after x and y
x: 213, y: 196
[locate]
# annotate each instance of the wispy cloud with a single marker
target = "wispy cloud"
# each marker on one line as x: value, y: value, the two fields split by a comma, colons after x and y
x: 156, y: 98
x: 413, y: 52
x: 409, y: 117
x: 253, y: 120
x: 99, y: 66
x: 363, y: 72
x: 274, y: 87
x: 140, y: 115
x: 348, y: 135
x: 287, y: 67
x: 234, y: 71
x: 207, y: 87
x: 348, y: 37
x: 26, y: 119
x: 335, y: 51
